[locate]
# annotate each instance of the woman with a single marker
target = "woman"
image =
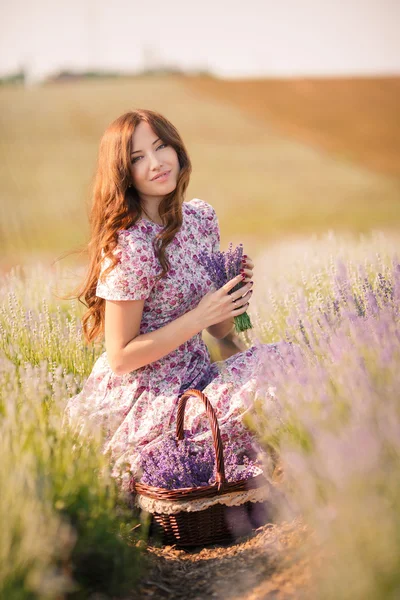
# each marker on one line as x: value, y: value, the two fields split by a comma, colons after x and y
x: 149, y: 295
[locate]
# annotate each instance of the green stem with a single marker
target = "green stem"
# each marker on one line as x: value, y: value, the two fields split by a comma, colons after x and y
x: 242, y: 322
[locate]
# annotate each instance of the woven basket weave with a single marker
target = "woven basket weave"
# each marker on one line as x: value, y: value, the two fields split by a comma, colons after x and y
x: 219, y: 522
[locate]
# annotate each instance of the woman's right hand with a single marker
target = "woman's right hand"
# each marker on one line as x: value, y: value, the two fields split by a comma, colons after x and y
x: 218, y: 306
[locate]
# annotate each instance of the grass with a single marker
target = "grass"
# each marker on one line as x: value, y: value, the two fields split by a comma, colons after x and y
x: 264, y: 184
x: 294, y: 174
x: 67, y: 529
x: 330, y: 409
x: 353, y: 119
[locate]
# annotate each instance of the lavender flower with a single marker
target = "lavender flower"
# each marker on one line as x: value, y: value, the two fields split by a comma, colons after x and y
x: 182, y: 464
x: 221, y: 268
x: 334, y: 421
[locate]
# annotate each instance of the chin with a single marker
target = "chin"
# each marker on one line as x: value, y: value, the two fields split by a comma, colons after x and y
x: 171, y: 186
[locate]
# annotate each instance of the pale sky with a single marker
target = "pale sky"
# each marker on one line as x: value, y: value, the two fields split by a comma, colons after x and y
x: 231, y: 38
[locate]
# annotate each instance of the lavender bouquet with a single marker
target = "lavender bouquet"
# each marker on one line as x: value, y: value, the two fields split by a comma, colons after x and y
x: 183, y: 464
x: 223, y: 266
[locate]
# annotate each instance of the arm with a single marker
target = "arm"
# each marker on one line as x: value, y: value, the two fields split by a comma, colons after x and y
x: 127, y: 350
x: 221, y: 330
x: 125, y: 290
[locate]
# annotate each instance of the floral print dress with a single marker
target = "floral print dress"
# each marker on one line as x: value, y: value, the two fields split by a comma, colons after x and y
x: 137, y: 409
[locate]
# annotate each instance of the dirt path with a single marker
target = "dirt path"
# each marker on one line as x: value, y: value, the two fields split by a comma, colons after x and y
x: 271, y: 563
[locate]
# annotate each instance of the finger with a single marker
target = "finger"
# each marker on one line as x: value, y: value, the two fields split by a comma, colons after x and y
x: 232, y: 282
x: 248, y: 277
x: 246, y: 260
x: 240, y: 302
x: 247, y: 296
x: 240, y: 292
x: 240, y: 309
x: 244, y: 301
x: 247, y: 272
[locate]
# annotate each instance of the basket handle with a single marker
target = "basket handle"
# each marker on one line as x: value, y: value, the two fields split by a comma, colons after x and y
x: 216, y: 434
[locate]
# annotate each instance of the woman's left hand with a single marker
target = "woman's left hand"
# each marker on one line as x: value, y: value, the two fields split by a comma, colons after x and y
x: 232, y: 344
x: 247, y: 267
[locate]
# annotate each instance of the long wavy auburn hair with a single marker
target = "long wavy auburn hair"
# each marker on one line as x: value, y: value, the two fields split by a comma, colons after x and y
x: 116, y: 206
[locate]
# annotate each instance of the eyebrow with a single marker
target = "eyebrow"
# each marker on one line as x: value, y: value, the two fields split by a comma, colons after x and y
x: 155, y: 141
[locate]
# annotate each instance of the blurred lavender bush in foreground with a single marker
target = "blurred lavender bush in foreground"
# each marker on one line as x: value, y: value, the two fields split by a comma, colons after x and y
x: 65, y: 530
x: 333, y: 417
x: 330, y: 409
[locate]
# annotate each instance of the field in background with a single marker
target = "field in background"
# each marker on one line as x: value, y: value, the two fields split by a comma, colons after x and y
x: 274, y: 159
x: 353, y: 119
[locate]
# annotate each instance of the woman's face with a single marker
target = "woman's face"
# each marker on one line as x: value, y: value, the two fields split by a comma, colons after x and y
x: 151, y: 157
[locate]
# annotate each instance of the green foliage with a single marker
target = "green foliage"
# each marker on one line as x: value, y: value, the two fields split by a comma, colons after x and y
x: 332, y: 410
x: 70, y: 532
x: 35, y: 328
x: 66, y: 527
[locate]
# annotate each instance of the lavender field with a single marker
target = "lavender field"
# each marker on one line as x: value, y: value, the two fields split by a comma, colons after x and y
x: 66, y: 531
x: 330, y: 409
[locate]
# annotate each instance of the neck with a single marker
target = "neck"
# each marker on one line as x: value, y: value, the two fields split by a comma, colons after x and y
x: 150, y: 206
x: 152, y: 217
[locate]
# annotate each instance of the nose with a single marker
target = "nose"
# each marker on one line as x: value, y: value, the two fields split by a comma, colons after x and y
x: 154, y: 162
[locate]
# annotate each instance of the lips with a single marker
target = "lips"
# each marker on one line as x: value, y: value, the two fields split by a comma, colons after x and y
x: 159, y: 175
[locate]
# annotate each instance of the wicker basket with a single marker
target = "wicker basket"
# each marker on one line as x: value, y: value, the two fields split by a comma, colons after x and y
x: 230, y: 513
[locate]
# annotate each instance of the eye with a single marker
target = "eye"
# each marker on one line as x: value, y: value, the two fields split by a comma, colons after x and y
x: 137, y: 157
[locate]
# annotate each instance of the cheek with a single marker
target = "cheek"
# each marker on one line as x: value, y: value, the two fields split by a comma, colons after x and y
x: 137, y: 174
x: 172, y: 157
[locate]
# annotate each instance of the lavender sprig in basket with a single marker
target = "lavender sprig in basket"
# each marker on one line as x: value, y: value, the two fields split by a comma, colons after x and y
x: 178, y: 464
x: 221, y: 268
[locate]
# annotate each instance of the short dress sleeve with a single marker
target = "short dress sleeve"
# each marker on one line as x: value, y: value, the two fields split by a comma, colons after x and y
x: 134, y: 276
x: 211, y: 221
